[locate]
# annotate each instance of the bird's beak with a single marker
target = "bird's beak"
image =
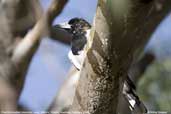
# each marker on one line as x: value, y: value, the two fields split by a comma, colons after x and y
x: 65, y: 26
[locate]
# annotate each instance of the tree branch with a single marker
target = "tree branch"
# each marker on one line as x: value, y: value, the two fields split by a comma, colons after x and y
x: 16, y: 66
x: 26, y: 48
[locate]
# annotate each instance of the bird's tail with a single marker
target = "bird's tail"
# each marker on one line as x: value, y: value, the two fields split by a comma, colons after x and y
x: 135, y: 104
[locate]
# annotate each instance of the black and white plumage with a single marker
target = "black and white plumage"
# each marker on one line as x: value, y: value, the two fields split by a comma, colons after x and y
x: 80, y: 30
x: 129, y: 92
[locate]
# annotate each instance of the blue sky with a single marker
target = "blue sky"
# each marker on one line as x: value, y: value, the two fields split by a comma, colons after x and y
x: 161, y: 39
x: 75, y: 8
x: 50, y: 64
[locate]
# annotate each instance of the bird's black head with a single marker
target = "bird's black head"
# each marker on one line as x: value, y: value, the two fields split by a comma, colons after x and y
x: 79, y: 24
x: 79, y: 29
x: 76, y: 25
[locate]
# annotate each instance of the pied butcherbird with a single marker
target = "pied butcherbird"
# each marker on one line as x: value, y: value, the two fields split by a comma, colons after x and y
x: 80, y: 31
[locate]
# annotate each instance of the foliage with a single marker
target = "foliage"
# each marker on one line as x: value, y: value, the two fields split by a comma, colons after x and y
x: 154, y: 87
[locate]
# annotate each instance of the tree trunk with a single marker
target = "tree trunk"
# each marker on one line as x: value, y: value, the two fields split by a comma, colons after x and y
x: 120, y: 31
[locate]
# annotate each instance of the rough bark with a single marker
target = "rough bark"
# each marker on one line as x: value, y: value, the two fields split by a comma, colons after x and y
x: 121, y: 29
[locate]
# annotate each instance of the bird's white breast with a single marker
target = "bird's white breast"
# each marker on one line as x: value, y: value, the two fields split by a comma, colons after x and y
x: 78, y: 60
